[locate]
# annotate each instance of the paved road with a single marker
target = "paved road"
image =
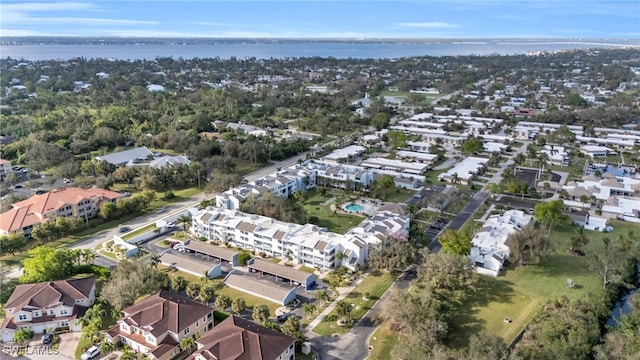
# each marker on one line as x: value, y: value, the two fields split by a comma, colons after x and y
x: 176, y: 208
x: 456, y: 224
x: 355, y: 343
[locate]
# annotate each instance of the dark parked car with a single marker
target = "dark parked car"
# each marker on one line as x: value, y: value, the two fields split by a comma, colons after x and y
x: 282, y: 318
x: 47, y: 338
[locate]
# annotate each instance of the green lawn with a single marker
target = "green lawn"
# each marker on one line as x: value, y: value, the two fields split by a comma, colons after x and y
x: 382, y: 341
x: 245, y: 167
x: 395, y: 194
x: 138, y: 231
x: 375, y: 284
x: 338, y: 223
x: 519, y: 292
x: 432, y: 176
x: 250, y: 300
x: 307, y: 269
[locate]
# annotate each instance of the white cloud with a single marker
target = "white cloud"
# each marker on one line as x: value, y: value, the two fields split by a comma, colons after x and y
x: 429, y: 25
x: 222, y: 24
x: 83, y: 21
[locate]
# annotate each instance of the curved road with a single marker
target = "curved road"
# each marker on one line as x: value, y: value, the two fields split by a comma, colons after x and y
x: 355, y: 344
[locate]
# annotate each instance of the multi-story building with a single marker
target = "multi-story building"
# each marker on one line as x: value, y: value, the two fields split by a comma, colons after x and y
x: 46, y: 306
x: 156, y: 325
x: 237, y: 338
x: 67, y: 202
x: 304, y: 244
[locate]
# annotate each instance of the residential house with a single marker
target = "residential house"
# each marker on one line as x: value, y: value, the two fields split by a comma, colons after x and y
x: 593, y: 151
x: 155, y: 325
x: 237, y: 338
x: 68, y: 202
x: 128, y: 157
x: 556, y: 154
x: 488, y: 246
x: 46, y: 306
x: 464, y: 171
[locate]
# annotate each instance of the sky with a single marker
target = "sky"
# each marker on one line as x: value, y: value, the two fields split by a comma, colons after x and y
x: 324, y: 19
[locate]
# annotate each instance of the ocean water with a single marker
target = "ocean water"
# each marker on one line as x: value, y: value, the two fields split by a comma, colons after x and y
x: 266, y: 50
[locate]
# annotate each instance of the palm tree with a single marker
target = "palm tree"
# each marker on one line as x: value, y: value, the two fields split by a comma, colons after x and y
x: 455, y: 178
x: 223, y: 302
x: 155, y: 260
x: 238, y: 305
x: 107, y: 347
x: 207, y: 293
x: 308, y: 308
x: 340, y: 256
x: 343, y: 309
x: 184, y: 220
x: 323, y: 296
x: 193, y: 290
x: 187, y: 344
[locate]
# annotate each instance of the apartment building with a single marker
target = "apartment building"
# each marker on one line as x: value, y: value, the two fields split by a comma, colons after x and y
x: 67, y: 202
x: 5, y: 168
x: 303, y: 244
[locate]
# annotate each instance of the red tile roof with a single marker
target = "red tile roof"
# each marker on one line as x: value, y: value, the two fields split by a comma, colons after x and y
x: 31, y: 211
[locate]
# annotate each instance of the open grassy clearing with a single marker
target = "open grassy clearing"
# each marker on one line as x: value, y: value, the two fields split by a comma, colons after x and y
x: 335, y: 222
x: 375, y: 284
x: 246, y: 167
x: 395, y: 194
x: 521, y: 291
x: 382, y: 341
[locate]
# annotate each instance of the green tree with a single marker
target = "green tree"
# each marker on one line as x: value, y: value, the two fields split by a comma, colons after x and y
x: 238, y: 305
x: 131, y: 280
x: 308, y: 308
x: 610, y: 263
x: 291, y: 327
x: 193, y: 290
x: 528, y: 245
x: 550, y: 213
x: 260, y: 313
x: 108, y: 210
x: 456, y: 242
x: 397, y: 139
x: 578, y: 241
x: 22, y: 335
x: 472, y: 146
x: 47, y: 264
x: 223, y: 302
x: 380, y: 120
x: 178, y: 283
x: 323, y: 296
x: 11, y: 243
x: 391, y: 254
x: 343, y: 309
x: 207, y: 293
x: 449, y: 276
x: 187, y: 344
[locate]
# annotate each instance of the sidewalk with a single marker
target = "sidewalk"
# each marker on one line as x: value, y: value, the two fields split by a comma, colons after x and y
x: 343, y: 292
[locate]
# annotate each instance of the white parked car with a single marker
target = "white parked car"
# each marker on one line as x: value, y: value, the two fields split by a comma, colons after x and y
x: 90, y: 353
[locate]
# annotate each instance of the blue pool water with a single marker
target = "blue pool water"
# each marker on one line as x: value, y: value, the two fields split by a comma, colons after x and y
x: 354, y: 207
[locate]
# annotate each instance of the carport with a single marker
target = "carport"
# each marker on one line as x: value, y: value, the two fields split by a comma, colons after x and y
x: 212, y: 251
x: 294, y: 276
x: 188, y: 264
x: 263, y: 289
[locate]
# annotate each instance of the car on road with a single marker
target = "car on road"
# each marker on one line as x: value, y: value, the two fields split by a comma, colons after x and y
x: 47, y: 339
x: 124, y: 229
x: 40, y: 191
x: 90, y: 353
x: 126, y: 194
x: 18, y: 186
x: 161, y: 210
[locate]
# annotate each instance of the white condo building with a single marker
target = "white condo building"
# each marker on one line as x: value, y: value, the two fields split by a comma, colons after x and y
x: 304, y: 244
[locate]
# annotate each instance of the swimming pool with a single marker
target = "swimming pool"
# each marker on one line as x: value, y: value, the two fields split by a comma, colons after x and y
x: 354, y: 208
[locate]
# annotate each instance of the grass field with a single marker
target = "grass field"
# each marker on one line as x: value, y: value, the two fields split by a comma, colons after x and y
x: 245, y: 167
x: 520, y: 292
x: 250, y: 300
x: 395, y: 194
x: 375, y: 284
x: 338, y: 223
x: 382, y: 341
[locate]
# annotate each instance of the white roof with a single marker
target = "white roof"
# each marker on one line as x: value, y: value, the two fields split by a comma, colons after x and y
x: 594, y: 148
x: 346, y: 152
x: 395, y: 164
x: 416, y: 155
x: 466, y: 168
